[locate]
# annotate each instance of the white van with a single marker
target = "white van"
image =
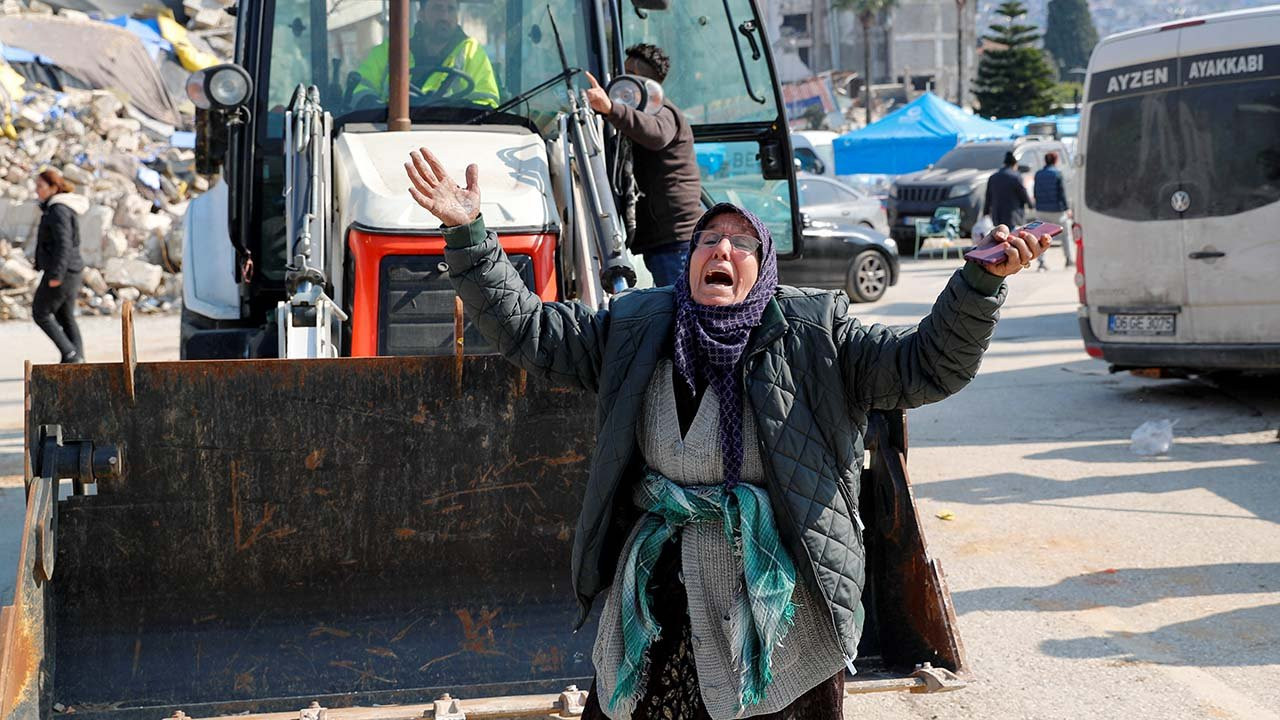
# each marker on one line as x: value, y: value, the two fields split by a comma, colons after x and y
x: 815, y: 151
x: 1178, y: 203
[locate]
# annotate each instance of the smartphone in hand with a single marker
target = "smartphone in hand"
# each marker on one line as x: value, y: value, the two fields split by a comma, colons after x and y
x: 993, y: 254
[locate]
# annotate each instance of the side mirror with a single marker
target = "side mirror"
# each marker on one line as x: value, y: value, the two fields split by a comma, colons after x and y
x: 772, y: 163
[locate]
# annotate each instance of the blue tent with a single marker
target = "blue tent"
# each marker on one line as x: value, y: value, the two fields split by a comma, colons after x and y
x: 911, y: 138
x: 1068, y: 125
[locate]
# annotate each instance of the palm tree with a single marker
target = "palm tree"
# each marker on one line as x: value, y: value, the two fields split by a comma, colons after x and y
x: 867, y: 12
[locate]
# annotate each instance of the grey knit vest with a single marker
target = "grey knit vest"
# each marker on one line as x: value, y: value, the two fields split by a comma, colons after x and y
x: 712, y: 572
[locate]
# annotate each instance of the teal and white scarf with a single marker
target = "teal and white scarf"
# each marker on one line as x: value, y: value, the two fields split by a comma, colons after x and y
x: 763, y: 614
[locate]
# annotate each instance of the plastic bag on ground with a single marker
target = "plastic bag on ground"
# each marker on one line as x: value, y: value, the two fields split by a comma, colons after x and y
x: 1153, y: 437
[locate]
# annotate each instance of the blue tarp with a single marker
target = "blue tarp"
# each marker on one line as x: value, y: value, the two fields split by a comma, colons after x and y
x: 183, y: 139
x: 148, y: 31
x: 710, y: 157
x: 18, y: 55
x: 911, y: 138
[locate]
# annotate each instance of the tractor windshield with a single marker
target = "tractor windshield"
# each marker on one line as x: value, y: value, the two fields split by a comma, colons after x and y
x: 462, y: 54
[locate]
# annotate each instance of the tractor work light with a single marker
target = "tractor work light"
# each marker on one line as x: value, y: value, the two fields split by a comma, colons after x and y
x: 221, y: 87
x: 638, y: 93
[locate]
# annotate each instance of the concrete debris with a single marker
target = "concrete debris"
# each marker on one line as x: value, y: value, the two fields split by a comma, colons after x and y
x: 126, y: 294
x: 138, y: 184
x: 16, y: 271
x: 133, y: 273
x: 94, y: 281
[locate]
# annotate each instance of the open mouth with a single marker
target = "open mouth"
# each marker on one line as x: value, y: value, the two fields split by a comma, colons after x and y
x: 718, y: 277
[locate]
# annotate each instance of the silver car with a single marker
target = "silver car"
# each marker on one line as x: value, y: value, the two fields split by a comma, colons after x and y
x: 832, y: 201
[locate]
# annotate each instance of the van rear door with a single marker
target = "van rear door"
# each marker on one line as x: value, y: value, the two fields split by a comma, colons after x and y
x: 1229, y: 118
x: 1134, y: 248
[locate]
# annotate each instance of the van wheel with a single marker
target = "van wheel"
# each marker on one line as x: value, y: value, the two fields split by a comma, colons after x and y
x: 868, y: 276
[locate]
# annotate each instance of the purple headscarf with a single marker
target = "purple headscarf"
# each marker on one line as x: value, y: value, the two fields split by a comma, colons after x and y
x: 710, y: 340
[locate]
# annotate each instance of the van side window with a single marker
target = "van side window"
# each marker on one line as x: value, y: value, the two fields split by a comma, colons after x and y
x: 1134, y: 156
x: 1218, y: 143
x: 1231, y: 134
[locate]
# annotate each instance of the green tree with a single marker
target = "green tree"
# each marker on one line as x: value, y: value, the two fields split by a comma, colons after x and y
x: 868, y: 11
x: 1014, y: 79
x: 1065, y: 93
x: 1069, y: 34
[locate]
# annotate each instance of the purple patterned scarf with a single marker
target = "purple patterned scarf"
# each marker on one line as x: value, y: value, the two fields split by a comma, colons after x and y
x: 710, y: 340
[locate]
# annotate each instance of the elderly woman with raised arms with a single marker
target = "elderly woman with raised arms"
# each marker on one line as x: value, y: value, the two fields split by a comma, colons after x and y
x: 720, y: 519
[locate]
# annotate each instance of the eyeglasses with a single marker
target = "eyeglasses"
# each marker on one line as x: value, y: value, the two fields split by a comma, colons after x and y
x: 742, y: 244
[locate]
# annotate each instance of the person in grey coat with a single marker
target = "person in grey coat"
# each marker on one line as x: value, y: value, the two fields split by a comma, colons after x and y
x: 720, y: 517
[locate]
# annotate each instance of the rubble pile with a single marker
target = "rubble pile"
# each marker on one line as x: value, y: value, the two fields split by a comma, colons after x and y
x: 138, y: 187
x: 137, y: 181
x: 210, y: 21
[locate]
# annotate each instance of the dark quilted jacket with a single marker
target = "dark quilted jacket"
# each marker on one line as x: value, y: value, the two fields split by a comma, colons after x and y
x: 812, y: 375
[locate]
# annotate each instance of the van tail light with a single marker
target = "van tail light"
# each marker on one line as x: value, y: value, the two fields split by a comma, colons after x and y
x: 1095, y: 351
x: 1077, y: 232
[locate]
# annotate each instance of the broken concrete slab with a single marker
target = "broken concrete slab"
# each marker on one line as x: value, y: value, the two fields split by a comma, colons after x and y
x: 94, y: 281
x: 16, y: 272
x: 133, y: 273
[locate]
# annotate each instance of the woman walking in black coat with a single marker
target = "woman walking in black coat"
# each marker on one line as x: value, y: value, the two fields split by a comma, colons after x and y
x: 58, y: 255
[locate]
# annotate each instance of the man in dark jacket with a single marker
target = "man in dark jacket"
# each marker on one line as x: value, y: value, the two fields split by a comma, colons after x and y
x: 665, y: 168
x: 1006, y: 195
x: 58, y: 255
x: 1051, y: 203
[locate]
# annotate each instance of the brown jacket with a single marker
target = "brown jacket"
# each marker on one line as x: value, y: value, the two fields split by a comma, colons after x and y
x: 666, y: 173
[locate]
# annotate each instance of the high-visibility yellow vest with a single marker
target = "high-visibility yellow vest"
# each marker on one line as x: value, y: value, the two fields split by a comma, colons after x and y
x: 467, y: 57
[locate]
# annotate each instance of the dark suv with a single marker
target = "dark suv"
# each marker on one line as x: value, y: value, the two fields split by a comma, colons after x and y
x: 959, y: 179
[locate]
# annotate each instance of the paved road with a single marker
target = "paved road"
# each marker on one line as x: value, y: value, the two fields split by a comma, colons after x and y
x: 1090, y: 583
x: 157, y: 338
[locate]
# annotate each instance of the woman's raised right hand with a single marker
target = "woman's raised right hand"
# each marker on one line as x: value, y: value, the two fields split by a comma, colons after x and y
x: 433, y: 189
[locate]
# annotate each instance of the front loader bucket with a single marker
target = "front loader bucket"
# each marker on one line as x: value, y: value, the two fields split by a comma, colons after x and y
x: 287, y: 529
x: 365, y: 533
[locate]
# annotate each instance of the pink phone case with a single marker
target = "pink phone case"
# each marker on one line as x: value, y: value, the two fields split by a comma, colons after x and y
x: 995, y: 253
